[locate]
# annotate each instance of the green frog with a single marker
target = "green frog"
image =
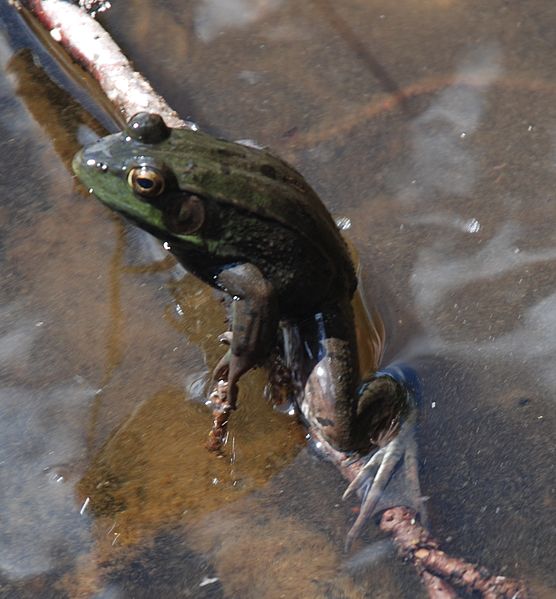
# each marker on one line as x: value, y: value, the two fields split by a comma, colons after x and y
x: 247, y: 223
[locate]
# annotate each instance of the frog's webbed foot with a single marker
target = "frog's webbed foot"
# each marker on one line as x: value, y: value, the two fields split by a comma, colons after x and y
x: 390, y: 477
x: 373, y: 478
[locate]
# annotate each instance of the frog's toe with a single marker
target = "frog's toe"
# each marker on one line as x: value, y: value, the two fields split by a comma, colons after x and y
x: 222, y: 369
x: 389, y: 478
x: 370, y: 472
x: 226, y: 338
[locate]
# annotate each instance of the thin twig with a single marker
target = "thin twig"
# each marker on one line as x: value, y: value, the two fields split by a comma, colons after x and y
x: 415, y: 544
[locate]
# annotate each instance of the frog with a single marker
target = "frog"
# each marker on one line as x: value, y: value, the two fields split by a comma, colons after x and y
x: 247, y: 223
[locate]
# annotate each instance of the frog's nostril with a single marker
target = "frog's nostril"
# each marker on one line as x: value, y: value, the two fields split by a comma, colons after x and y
x: 93, y: 162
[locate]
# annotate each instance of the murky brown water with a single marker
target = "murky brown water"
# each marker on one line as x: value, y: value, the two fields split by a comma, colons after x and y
x: 107, y: 490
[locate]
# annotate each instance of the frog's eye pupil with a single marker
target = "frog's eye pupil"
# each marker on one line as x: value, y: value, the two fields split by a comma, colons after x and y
x: 146, y: 181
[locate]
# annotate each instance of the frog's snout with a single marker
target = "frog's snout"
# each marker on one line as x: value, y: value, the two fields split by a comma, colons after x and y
x: 87, y: 160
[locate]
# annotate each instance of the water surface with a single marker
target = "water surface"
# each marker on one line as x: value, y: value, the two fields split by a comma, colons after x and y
x: 432, y: 127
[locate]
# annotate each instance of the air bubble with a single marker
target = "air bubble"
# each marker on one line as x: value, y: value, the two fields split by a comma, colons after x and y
x: 343, y: 223
x: 472, y: 225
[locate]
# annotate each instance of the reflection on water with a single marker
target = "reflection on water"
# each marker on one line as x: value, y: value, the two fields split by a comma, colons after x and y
x: 441, y: 161
x: 214, y: 17
x: 107, y: 490
x: 436, y: 276
x: 39, y: 444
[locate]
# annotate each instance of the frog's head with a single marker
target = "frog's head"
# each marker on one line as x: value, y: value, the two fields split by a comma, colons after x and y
x: 130, y: 172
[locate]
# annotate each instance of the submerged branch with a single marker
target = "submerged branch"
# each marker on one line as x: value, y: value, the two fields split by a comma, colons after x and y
x: 415, y: 544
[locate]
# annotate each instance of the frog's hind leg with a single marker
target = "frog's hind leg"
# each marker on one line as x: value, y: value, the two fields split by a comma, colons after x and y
x: 390, y: 477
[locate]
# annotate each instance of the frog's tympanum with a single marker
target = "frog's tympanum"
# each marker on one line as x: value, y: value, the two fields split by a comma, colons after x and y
x: 247, y: 223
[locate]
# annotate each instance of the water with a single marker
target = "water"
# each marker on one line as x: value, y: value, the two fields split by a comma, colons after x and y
x: 432, y: 127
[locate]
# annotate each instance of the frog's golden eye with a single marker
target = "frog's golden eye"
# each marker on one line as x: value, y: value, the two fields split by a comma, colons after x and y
x: 146, y: 181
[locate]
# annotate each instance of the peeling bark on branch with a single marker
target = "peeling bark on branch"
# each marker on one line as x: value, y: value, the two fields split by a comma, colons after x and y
x: 93, y: 48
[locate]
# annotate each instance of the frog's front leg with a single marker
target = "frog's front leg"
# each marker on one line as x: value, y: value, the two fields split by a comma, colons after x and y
x: 255, y: 318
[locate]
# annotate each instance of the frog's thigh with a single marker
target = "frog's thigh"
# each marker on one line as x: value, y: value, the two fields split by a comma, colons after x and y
x: 254, y: 316
x: 329, y: 391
